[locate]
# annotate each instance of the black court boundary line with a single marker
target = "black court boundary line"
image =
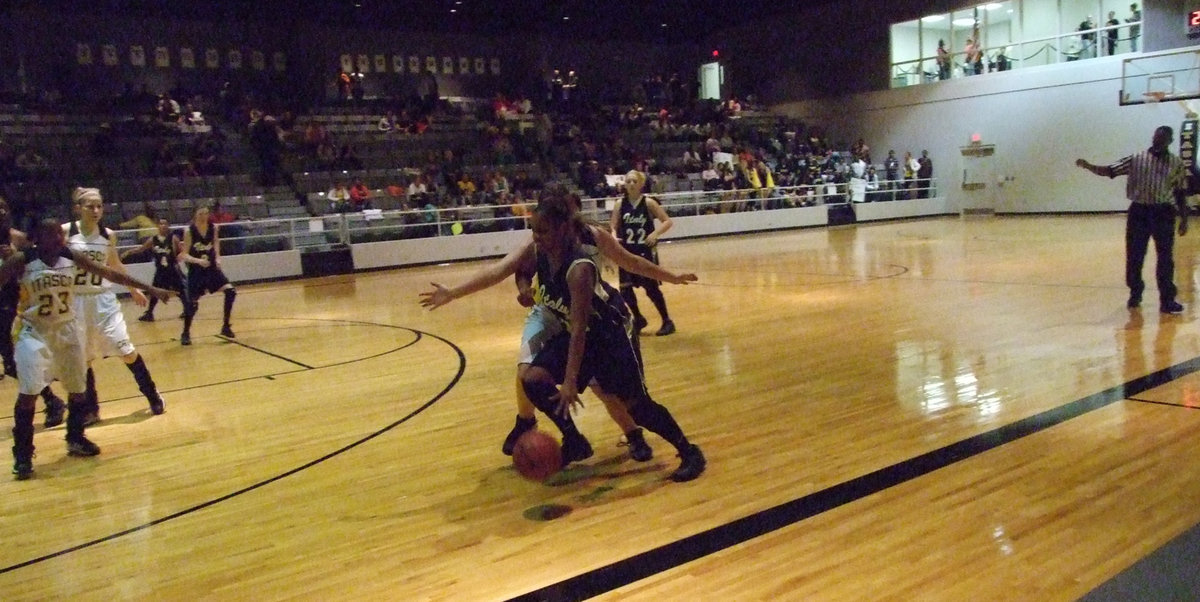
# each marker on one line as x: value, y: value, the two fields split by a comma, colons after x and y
x: 1164, y: 403
x: 635, y: 568
x: 462, y: 367
x: 271, y: 375
x: 265, y: 352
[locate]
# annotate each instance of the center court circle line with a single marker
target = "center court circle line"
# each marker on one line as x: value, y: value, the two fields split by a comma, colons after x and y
x: 462, y: 365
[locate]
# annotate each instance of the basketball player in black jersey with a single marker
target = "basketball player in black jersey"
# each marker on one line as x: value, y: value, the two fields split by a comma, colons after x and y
x: 596, y: 343
x: 633, y: 224
x: 202, y: 253
x: 541, y: 325
x: 166, y: 246
x: 11, y: 241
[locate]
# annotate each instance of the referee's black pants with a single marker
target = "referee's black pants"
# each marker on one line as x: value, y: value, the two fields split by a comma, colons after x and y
x: 1146, y: 222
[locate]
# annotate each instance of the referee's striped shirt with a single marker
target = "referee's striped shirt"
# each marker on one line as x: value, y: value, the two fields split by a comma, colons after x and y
x: 1152, y: 179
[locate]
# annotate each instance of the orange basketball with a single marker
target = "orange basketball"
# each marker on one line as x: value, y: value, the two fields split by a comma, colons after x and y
x: 537, y: 456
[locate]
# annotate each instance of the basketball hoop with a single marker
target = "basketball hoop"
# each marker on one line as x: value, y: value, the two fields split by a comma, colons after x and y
x: 1154, y: 96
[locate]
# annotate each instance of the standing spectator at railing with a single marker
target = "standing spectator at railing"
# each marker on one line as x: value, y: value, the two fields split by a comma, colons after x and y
x: 1135, y: 26
x: 360, y: 196
x: 265, y: 139
x: 943, y: 61
x: 924, y: 175
x: 1087, y: 38
x: 1111, y: 34
x: 891, y: 174
x: 31, y: 165
x: 973, y: 53
x: 910, y: 174
x: 872, y: 187
x: 220, y: 215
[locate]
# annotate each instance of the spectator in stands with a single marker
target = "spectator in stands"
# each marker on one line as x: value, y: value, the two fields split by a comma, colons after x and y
x: 360, y: 195
x: 1112, y: 22
x: 1087, y: 48
x: 314, y: 136
x: 347, y: 159
x: 30, y: 164
x: 145, y: 222
x: 344, y: 83
x: 497, y: 184
x: 1135, y: 26
x: 103, y: 143
x: 168, y: 109
x: 219, y: 215
x: 388, y: 122
x: 267, y: 142
x: 326, y: 155
x: 924, y: 175
x: 339, y: 197
x: 418, y: 191
x: 466, y: 188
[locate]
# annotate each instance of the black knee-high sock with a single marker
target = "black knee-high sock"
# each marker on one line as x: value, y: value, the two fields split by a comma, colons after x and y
x: 47, y: 394
x: 153, y: 302
x: 539, y: 394
x: 631, y: 300
x: 658, y: 420
x: 91, y: 396
x: 75, y: 412
x: 230, y: 295
x: 23, y: 428
x: 654, y: 293
x: 141, y: 374
x: 189, y: 312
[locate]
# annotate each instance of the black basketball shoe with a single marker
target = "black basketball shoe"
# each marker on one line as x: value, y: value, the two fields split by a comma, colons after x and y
x: 82, y: 446
x: 575, y: 447
x: 22, y: 464
x: 56, y: 408
x: 639, y: 450
x: 522, y: 426
x: 693, y: 464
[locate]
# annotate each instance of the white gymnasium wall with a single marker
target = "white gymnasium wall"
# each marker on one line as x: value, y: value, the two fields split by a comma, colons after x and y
x: 1040, y: 120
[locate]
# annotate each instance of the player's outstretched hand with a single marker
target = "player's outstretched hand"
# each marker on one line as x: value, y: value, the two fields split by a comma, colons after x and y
x: 162, y: 295
x: 1081, y: 163
x: 437, y: 297
x: 685, y: 278
x: 567, y: 399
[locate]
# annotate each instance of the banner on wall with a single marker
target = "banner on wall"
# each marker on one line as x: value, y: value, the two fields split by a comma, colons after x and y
x: 347, y: 63
x: 137, y: 56
x: 364, y: 63
x: 431, y: 64
x: 448, y: 65
x: 380, y: 64
x: 258, y: 60
x: 397, y: 63
x: 108, y: 54
x: 280, y: 61
x: 414, y: 64
x: 83, y: 54
x: 212, y: 58
x: 495, y: 65
x: 162, y: 57
x: 479, y: 66
x: 187, y: 58
x: 464, y: 65
x: 235, y: 59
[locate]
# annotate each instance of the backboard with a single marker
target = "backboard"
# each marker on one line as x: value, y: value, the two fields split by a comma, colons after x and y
x: 1161, y: 77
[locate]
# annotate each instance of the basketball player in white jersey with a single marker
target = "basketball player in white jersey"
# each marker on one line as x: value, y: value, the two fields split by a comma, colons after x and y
x: 96, y: 305
x: 50, y: 344
x: 11, y: 241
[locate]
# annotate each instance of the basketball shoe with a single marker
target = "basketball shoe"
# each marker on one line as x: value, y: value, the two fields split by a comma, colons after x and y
x: 639, y: 450
x: 692, y: 466
x: 520, y: 428
x: 82, y: 446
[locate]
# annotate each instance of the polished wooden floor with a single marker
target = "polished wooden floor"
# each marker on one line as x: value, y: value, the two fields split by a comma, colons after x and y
x: 346, y: 447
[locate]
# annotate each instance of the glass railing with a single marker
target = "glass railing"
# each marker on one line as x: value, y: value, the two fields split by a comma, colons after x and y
x: 326, y: 231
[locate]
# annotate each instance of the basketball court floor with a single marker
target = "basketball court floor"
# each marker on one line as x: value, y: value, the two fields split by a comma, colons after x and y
x: 936, y: 409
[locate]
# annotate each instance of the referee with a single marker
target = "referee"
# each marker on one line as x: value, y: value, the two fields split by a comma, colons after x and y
x: 1157, y: 180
